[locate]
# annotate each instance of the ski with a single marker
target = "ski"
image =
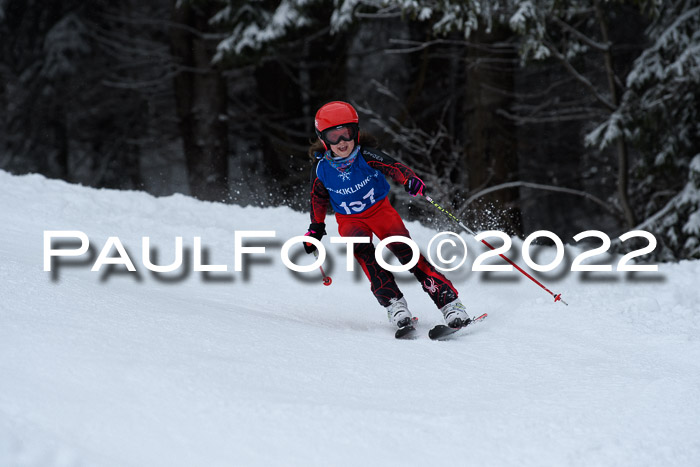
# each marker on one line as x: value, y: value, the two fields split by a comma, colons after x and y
x: 407, y: 332
x: 442, y: 331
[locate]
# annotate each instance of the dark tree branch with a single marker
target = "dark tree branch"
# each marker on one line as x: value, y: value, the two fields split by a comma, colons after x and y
x: 539, y: 186
x: 602, y: 47
x: 579, y: 77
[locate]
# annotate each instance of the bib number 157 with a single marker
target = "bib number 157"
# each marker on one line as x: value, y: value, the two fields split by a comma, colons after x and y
x: 358, y: 206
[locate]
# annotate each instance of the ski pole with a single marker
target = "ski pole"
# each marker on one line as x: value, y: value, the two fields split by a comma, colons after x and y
x: 326, y: 279
x: 557, y: 297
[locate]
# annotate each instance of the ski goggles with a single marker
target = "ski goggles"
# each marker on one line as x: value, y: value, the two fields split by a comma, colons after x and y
x: 336, y: 134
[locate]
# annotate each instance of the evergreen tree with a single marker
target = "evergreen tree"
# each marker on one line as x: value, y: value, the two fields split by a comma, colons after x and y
x: 84, y: 84
x: 660, y: 114
x: 284, y: 51
x: 570, y: 32
x: 201, y: 99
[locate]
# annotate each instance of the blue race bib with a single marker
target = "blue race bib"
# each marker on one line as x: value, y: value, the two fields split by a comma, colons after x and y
x: 354, y: 190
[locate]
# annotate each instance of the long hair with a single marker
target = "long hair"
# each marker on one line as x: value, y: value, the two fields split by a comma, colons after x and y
x: 366, y: 139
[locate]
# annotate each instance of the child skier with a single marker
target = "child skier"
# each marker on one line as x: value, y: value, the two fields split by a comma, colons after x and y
x: 351, y: 178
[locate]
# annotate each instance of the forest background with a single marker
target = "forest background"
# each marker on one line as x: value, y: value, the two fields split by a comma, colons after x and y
x: 519, y: 115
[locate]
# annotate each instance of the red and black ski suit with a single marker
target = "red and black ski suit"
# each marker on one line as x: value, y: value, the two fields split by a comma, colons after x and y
x: 382, y: 220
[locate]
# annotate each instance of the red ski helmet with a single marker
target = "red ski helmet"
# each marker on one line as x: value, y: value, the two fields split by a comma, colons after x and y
x: 333, y: 115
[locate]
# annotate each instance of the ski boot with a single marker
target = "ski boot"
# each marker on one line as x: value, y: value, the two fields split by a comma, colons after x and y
x: 398, y: 313
x: 455, y: 314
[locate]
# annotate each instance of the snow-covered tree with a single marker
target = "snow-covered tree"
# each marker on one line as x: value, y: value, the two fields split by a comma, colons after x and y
x: 84, y: 90
x: 40, y: 63
x: 290, y: 62
x: 651, y: 108
x: 660, y: 114
x: 548, y: 29
x: 255, y: 25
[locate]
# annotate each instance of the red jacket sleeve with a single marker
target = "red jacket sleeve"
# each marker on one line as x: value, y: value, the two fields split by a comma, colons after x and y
x: 387, y: 165
x: 320, y: 199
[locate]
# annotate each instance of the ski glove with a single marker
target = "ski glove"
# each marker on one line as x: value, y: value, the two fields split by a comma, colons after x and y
x: 414, y: 186
x: 316, y: 230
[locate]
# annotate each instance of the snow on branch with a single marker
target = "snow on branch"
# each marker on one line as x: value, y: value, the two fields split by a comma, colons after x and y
x: 264, y: 27
x: 539, y: 186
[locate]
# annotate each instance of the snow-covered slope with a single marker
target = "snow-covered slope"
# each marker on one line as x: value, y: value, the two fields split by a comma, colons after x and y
x: 268, y: 367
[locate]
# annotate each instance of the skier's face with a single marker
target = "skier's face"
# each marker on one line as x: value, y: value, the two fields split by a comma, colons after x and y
x: 343, y: 148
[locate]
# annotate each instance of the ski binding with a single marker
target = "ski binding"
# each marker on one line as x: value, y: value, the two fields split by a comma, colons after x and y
x: 442, y: 331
